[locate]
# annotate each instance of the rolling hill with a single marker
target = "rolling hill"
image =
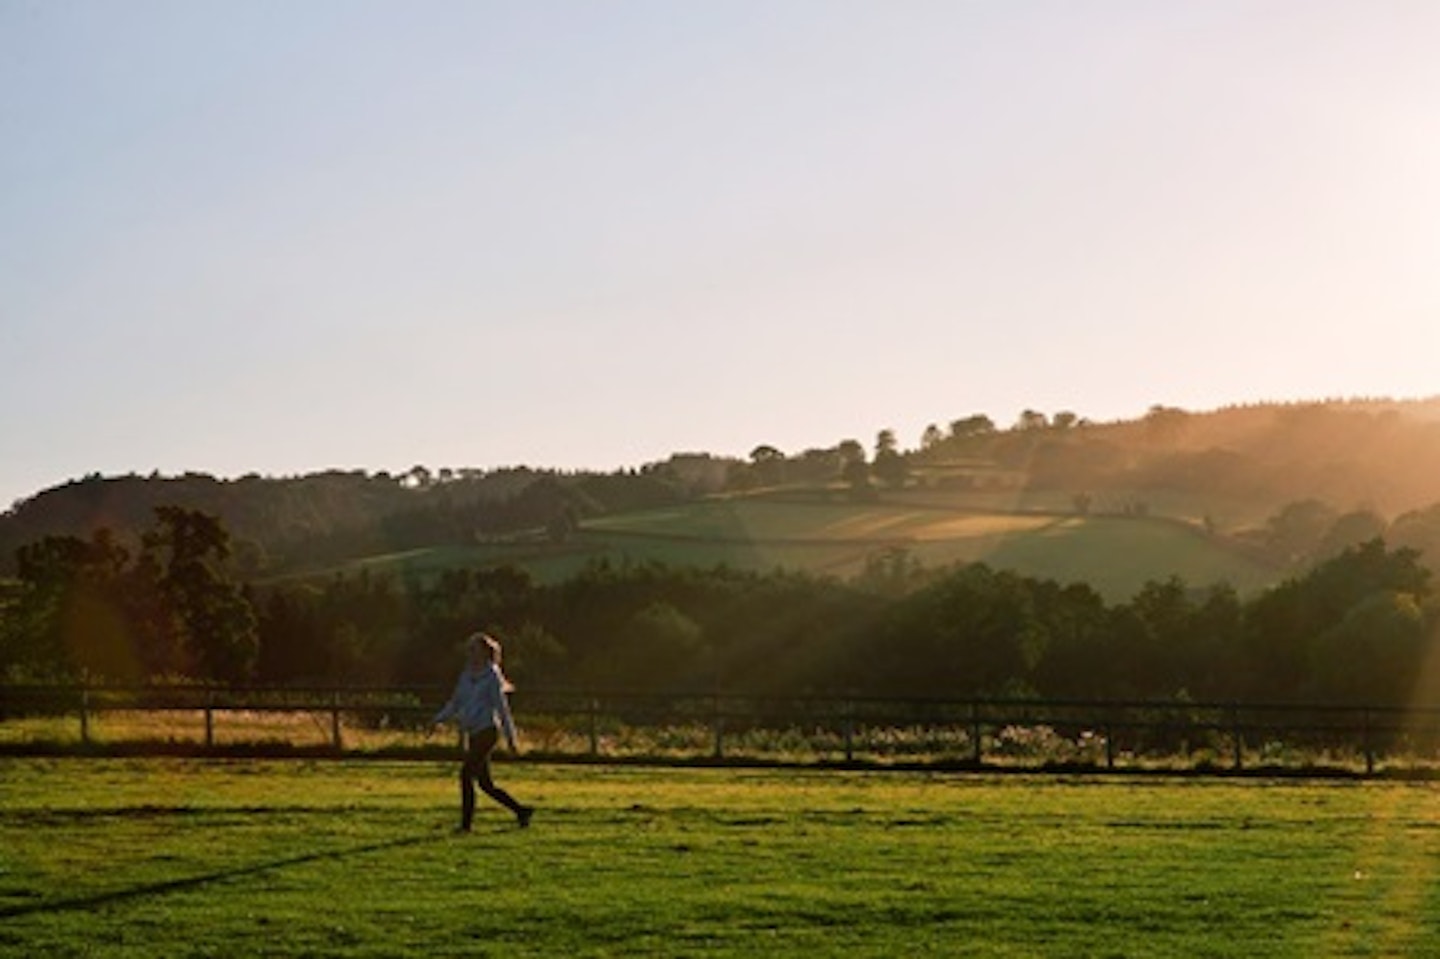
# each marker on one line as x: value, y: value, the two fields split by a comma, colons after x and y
x: 827, y: 535
x: 1192, y: 495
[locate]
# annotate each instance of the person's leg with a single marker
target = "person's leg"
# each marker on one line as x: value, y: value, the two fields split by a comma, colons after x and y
x: 487, y: 783
x: 469, y: 770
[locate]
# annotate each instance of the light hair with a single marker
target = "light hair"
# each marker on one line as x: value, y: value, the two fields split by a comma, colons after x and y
x: 491, y: 645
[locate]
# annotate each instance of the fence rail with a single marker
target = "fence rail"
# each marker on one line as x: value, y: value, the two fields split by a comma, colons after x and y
x: 976, y: 733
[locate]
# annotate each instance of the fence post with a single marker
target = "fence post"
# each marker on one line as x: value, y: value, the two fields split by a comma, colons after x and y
x: 977, y: 747
x: 848, y: 725
x: 1237, y: 737
x: 718, y: 724
x: 335, y: 719
x: 1368, y: 742
x: 85, y: 715
x: 210, y: 719
x: 594, y: 727
x: 1110, y: 738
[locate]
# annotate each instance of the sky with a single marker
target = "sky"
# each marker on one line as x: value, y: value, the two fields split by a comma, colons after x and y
x: 275, y: 237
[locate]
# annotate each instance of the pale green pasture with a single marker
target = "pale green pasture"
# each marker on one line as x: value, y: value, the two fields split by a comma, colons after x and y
x: 1116, y: 555
x: 756, y: 519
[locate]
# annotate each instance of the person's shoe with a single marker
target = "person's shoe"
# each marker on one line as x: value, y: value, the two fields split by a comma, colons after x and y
x: 523, y: 814
x: 462, y: 830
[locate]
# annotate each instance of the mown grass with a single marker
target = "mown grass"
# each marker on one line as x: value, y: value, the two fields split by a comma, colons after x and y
x: 188, y: 858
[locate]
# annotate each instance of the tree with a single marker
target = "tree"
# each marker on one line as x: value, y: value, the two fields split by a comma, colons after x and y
x: 853, y: 468
x: 1212, y: 649
x: 658, y: 647
x: 971, y: 426
x: 814, y: 466
x: 885, y: 442
x: 291, y: 637
x: 72, y: 614
x: 889, y: 466
x: 972, y: 631
x: 739, y: 476
x: 1349, y: 530
x: 1294, y: 534
x: 850, y: 450
x: 1155, y: 625
x: 1283, y: 624
x: 768, y: 464
x: 1031, y: 420
x: 533, y: 654
x: 1373, y: 654
x: 188, y: 550
x: 931, y: 438
x: 88, y: 607
x: 1418, y: 530
x: 893, y: 572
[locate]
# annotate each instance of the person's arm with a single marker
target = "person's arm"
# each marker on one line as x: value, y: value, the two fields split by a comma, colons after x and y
x: 450, y: 708
x: 502, y: 710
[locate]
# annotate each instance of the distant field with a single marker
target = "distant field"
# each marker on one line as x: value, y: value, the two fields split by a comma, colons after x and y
x: 185, y: 858
x: 1114, y: 553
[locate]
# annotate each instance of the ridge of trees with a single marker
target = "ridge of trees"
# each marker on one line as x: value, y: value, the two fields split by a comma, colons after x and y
x: 1361, y: 627
x: 1329, y: 474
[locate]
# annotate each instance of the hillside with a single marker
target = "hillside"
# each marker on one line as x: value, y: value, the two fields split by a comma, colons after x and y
x: 1174, y: 492
x: 894, y: 535
x: 1373, y: 454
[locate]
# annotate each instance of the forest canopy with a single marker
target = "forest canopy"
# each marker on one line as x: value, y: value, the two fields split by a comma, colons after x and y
x: 1360, y: 627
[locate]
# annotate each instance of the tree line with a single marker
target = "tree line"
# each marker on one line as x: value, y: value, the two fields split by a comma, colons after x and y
x: 294, y: 523
x: 1362, y: 626
x: 1343, y: 465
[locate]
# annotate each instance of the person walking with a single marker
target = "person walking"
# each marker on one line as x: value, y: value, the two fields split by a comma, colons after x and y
x: 481, y: 708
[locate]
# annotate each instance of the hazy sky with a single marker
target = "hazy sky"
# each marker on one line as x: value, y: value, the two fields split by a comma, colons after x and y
x: 277, y: 237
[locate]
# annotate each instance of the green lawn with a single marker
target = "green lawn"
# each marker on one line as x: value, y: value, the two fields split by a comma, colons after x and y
x: 189, y: 858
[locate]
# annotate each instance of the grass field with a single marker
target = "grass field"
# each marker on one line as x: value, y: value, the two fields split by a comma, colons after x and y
x: 1115, y: 554
x: 189, y: 858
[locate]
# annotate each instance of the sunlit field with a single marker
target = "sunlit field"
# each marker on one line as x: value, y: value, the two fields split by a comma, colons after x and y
x: 1116, y: 554
x: 194, y: 858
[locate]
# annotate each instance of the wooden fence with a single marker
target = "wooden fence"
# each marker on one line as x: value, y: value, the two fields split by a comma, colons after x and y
x: 970, y: 733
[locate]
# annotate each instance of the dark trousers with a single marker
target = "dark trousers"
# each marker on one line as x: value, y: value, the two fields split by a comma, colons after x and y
x: 476, y: 771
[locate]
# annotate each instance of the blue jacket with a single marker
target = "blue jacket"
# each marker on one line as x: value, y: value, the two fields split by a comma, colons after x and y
x: 479, y: 703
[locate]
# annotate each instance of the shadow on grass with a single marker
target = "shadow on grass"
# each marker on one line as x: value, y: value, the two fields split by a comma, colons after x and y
x: 194, y: 882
